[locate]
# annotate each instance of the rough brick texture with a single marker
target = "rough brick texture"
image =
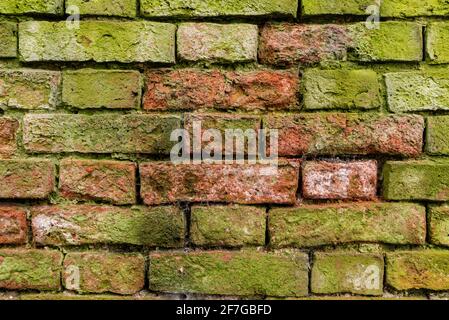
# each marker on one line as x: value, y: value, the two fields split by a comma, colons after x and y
x: 8, y: 134
x: 48, y: 7
x: 8, y: 37
x: 119, y: 8
x: 439, y: 224
x: 13, y: 225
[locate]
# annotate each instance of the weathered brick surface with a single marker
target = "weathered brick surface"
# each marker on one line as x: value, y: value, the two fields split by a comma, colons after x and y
x: 439, y: 224
x: 341, y: 89
x: 437, y: 47
x: 30, y: 269
x: 13, y: 225
x: 196, y: 89
x: 246, y: 273
x: 93, y: 224
x: 8, y: 40
x: 26, y: 179
x: 99, y: 272
x: 134, y: 133
x: 212, y: 8
x: 29, y: 89
x: 112, y: 89
x: 347, y: 273
x: 110, y: 181
x: 317, y: 225
x: 163, y: 182
x: 416, y: 180
x: 437, y: 140
x: 342, y: 133
x: 100, y: 41
x: 339, y: 180
x: 213, y: 42
x: 8, y: 134
x: 227, y: 226
x: 414, y: 8
x: 426, y: 269
x: 331, y: 7
x: 120, y: 8
x: 32, y: 7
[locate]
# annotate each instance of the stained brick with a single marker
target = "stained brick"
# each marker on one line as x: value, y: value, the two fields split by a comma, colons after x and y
x: 13, y: 224
x: 94, y: 224
x: 439, y: 224
x: 8, y: 133
x: 246, y: 273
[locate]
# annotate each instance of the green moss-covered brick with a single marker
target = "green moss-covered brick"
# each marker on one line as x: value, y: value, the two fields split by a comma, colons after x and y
x: 22, y: 269
x: 428, y: 269
x: 8, y: 40
x: 316, y: 225
x: 416, y: 180
x: 341, y: 89
x: 100, y: 41
x: 220, y: 43
x: 417, y: 91
x: 439, y: 224
x: 246, y: 273
x: 112, y: 89
x: 332, y: 7
x: 32, y: 6
x: 93, y: 224
x: 30, y: 89
x: 227, y: 226
x: 393, y: 41
x: 104, y: 133
x: 8, y: 133
x: 437, y: 138
x: 119, y: 8
x: 347, y: 273
x: 26, y: 179
x: 414, y: 8
x: 218, y: 8
x: 437, y: 44
x: 102, y: 272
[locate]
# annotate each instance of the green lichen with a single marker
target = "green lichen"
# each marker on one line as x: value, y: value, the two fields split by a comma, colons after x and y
x: 32, y: 6
x: 437, y: 45
x: 437, y: 137
x: 439, y: 224
x: 414, y: 8
x: 121, y: 8
x: 8, y: 40
x: 332, y: 7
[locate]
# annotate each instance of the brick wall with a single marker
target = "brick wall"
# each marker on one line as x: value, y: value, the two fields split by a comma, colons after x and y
x: 92, y: 207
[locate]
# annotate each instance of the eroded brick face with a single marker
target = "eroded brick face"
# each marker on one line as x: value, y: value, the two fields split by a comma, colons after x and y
x: 13, y: 225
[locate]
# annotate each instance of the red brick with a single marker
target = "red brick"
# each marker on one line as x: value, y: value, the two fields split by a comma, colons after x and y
x: 26, y: 179
x: 339, y: 180
x: 195, y: 89
x: 289, y: 44
x: 347, y: 133
x: 13, y: 225
x: 110, y: 181
x: 8, y: 131
x: 163, y: 182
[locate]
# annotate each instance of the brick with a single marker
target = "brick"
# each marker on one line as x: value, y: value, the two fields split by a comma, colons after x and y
x: 29, y: 89
x: 109, y: 181
x: 8, y: 133
x: 334, y: 224
x: 53, y: 7
x: 118, y: 8
x: 105, y: 133
x: 196, y: 89
x: 100, y: 41
x: 417, y: 91
x: 221, y: 43
x: 211, y: 8
x: 246, y: 273
x: 13, y: 225
x: 163, y: 182
x: 94, y: 224
x: 347, y: 133
x: 112, y: 89
x: 416, y: 180
x: 341, y: 89
x: 414, y: 8
x: 8, y: 40
x: 342, y: 272
x: 426, y: 269
x: 26, y: 179
x: 437, y: 47
x: 332, y: 7
x: 339, y: 180
x: 101, y: 272
x: 439, y: 224
x: 437, y: 142
x: 227, y: 226
x: 29, y: 269
x: 305, y: 44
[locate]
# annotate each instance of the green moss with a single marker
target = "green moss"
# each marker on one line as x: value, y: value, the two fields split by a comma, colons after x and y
x: 122, y: 8
x: 439, y: 224
x: 414, y: 8
x: 8, y: 40
x: 32, y: 6
x: 332, y: 7
x: 437, y: 45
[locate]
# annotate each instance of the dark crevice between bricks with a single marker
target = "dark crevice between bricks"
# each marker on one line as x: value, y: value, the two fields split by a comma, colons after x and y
x: 267, y: 228
x: 187, y: 211
x: 311, y: 262
x: 424, y: 43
